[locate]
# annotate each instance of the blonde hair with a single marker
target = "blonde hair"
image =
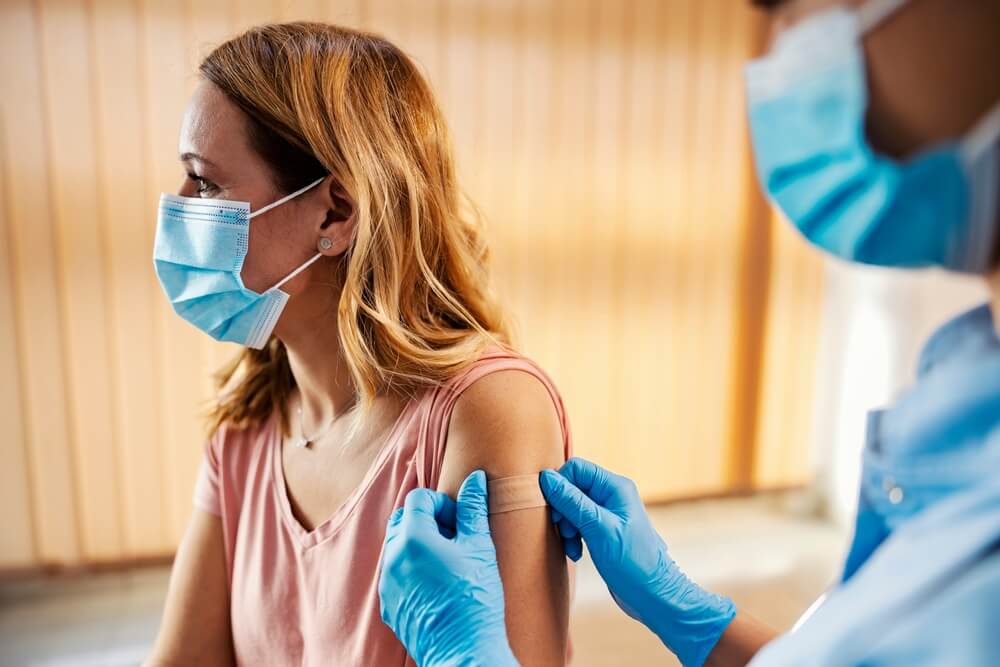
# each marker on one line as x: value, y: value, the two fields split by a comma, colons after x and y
x: 415, y: 306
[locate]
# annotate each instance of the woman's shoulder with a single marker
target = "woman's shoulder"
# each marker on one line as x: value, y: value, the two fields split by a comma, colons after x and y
x: 501, y: 383
x: 507, y: 419
x: 495, y: 373
x: 241, y: 443
x: 510, y: 387
x: 232, y: 455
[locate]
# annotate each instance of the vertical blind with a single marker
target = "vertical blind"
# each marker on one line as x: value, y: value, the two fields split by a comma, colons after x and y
x: 606, y: 145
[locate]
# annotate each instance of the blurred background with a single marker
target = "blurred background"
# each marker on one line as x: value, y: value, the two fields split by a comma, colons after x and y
x: 701, y: 347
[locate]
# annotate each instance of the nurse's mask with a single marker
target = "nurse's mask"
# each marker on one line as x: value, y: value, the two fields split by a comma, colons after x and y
x: 807, y: 102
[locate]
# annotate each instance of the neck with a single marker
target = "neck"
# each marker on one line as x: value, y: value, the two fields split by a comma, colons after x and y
x: 309, y: 332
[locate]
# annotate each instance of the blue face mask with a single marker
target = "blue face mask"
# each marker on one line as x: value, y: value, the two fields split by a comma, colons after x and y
x: 198, y: 254
x: 807, y: 102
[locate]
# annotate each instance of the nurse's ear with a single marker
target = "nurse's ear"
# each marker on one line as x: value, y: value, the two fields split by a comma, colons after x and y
x: 336, y: 230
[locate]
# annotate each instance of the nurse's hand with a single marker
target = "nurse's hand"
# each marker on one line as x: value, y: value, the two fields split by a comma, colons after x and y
x: 440, y: 588
x: 605, y: 510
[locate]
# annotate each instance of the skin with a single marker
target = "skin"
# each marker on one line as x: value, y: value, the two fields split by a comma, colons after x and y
x: 507, y: 425
x: 917, y: 99
x: 490, y: 429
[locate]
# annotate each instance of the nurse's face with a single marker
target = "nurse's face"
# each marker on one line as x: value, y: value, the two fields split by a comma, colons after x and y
x: 932, y: 69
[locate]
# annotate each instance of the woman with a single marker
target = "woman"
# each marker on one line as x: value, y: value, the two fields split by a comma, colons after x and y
x: 320, y: 224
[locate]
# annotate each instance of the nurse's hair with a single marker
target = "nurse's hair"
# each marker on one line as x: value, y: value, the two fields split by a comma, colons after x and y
x: 415, y: 306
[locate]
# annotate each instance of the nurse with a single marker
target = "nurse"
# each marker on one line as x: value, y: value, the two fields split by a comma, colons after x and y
x: 876, y: 130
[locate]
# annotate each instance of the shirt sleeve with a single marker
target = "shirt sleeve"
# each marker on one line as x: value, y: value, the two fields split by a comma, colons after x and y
x: 206, y: 489
x: 957, y: 626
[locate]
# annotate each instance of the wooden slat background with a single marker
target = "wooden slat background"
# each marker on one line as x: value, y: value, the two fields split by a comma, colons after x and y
x: 605, y: 143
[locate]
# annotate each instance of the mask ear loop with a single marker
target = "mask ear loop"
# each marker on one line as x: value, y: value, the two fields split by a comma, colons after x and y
x: 275, y: 204
x: 297, y: 271
x: 980, y: 155
x: 875, y: 12
x: 983, y: 136
x: 281, y: 201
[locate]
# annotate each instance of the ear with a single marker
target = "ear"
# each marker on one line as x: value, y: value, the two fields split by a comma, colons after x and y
x: 336, y: 230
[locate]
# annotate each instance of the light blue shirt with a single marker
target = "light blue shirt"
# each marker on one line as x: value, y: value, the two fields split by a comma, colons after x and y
x: 921, y: 585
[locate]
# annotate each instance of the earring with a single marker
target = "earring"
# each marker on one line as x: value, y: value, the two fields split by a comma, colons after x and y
x: 325, y: 244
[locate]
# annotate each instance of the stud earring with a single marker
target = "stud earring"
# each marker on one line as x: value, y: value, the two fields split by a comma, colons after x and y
x: 325, y: 244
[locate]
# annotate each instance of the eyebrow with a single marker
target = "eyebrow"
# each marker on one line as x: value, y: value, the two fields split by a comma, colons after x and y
x: 184, y: 157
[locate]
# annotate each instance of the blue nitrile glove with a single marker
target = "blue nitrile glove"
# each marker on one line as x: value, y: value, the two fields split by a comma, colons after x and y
x: 605, y: 510
x: 440, y: 588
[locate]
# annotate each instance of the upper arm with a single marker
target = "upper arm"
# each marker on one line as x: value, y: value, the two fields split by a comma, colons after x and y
x: 506, y: 424
x: 195, y: 626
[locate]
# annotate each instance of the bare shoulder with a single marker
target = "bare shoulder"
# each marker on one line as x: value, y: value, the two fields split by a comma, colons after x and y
x: 505, y: 423
x: 505, y: 399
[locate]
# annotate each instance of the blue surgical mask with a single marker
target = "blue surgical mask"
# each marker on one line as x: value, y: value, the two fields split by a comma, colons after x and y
x: 198, y: 254
x: 807, y: 103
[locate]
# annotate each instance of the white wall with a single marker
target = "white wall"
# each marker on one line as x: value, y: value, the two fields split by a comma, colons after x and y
x: 875, y: 322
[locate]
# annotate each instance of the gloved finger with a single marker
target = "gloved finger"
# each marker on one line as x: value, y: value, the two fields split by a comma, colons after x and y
x: 444, y: 513
x: 567, y: 529
x: 424, y: 508
x: 592, y: 479
x: 392, y: 528
x: 424, y: 504
x: 576, y: 508
x: 556, y: 516
x: 425, y: 501
x: 573, y: 548
x: 472, y: 509
x: 610, y: 491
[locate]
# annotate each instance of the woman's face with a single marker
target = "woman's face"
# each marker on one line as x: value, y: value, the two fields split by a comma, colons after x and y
x: 932, y: 69
x: 215, y: 150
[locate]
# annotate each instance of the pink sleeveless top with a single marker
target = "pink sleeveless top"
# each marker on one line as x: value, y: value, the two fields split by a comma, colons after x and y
x: 301, y: 597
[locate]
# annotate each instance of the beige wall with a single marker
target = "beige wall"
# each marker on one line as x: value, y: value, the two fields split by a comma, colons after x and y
x: 605, y: 143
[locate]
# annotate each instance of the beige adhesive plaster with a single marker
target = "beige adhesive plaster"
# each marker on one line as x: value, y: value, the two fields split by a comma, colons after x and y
x: 509, y: 494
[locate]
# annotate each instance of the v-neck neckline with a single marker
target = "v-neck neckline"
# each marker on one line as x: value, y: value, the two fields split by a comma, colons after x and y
x: 329, y: 527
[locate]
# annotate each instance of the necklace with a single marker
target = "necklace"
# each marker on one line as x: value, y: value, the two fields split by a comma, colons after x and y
x: 303, y: 441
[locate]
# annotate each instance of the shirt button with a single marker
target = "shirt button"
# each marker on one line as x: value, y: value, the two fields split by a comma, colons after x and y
x: 895, y: 495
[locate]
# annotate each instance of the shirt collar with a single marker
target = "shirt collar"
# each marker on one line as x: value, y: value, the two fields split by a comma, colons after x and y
x: 970, y: 334
x: 943, y: 435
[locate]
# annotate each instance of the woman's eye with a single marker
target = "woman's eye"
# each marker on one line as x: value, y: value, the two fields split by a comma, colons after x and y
x: 203, y: 186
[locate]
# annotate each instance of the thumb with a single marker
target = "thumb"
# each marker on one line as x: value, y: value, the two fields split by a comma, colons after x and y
x: 574, y: 505
x: 472, y: 510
